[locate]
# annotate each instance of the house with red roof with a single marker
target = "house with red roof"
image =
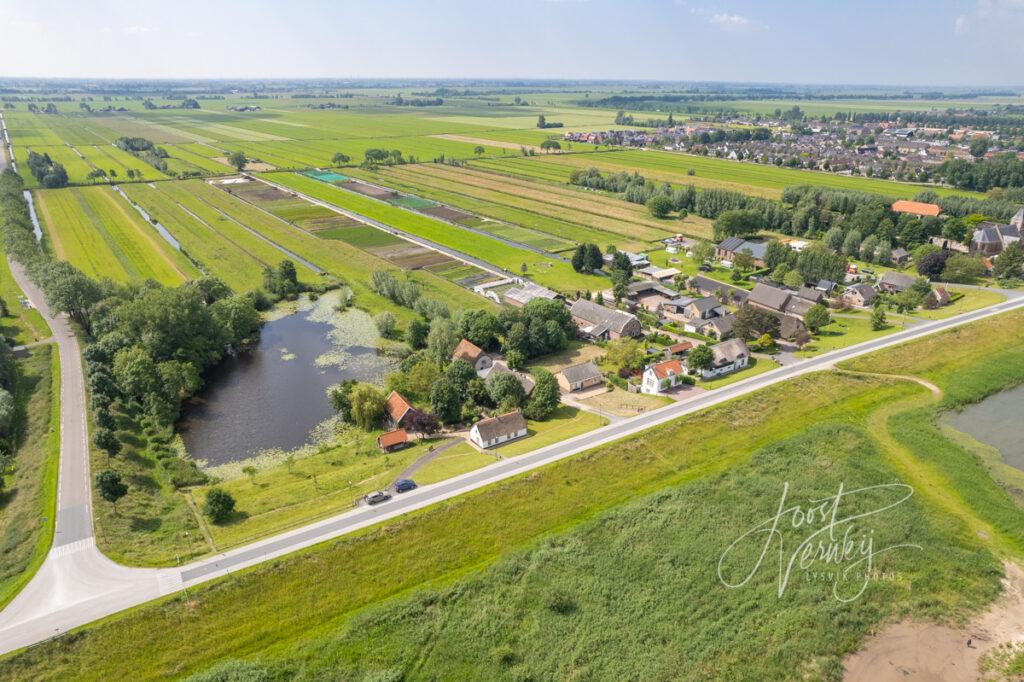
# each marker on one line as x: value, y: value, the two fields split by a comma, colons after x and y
x: 661, y: 376
x: 399, y: 411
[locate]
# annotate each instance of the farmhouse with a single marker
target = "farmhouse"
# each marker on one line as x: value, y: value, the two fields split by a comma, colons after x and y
x: 917, y: 208
x: 732, y: 246
x: 712, y: 287
x: 894, y: 282
x: 398, y: 410
x: 718, y: 328
x: 784, y: 301
x: 487, y: 433
x: 598, y: 322
x: 661, y: 376
x: 729, y: 356
x: 579, y: 377
x: 859, y: 295
x: 472, y: 354
x: 390, y: 441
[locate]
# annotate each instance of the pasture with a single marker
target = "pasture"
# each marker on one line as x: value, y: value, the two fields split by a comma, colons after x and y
x: 98, y: 232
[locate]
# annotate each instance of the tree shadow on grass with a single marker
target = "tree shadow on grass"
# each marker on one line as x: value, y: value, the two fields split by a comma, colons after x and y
x: 146, y: 524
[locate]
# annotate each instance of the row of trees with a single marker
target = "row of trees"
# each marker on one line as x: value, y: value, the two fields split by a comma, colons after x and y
x: 145, y: 150
x: 1001, y: 170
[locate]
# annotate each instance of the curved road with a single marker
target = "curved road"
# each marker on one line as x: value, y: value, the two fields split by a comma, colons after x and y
x: 77, y: 584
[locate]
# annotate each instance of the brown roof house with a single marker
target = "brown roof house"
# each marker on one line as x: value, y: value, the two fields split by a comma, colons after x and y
x: 729, y: 356
x: 472, y: 354
x: 595, y: 321
x: 393, y: 440
x: 579, y: 377
x: 859, y: 295
x: 936, y: 298
x: 487, y: 433
x: 399, y: 411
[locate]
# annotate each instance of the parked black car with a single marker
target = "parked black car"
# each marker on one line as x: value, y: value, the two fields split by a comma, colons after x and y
x: 377, y: 497
x: 404, y: 485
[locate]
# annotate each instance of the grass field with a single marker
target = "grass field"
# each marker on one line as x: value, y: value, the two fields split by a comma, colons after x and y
x: 97, y: 231
x: 23, y: 325
x: 846, y: 331
x: 546, y: 271
x: 656, y: 553
x: 749, y: 178
x: 29, y: 499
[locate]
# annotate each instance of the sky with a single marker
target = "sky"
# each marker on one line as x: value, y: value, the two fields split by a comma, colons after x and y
x: 891, y: 42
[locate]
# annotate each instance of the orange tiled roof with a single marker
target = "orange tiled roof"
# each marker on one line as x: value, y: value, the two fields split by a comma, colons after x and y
x: 392, y: 438
x: 916, y: 207
x: 663, y: 370
x: 397, y: 406
x: 468, y: 351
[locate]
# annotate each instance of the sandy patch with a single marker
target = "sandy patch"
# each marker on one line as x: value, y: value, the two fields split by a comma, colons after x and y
x: 922, y: 651
x: 489, y: 143
x: 257, y: 166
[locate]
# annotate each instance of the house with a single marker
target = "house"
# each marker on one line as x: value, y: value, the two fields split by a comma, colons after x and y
x: 595, y: 321
x: 730, y: 247
x: 917, y: 208
x: 579, y: 377
x: 492, y: 431
x: 718, y: 328
x: 390, y: 441
x: 893, y: 282
x: 521, y: 295
x: 826, y: 286
x: 859, y: 295
x: 769, y: 297
x: 936, y: 298
x: 499, y: 367
x: 472, y: 354
x: 656, y: 274
x: 398, y: 410
x: 900, y: 256
x: 676, y: 306
x: 812, y: 294
x: 662, y: 376
x: 700, y: 310
x: 989, y: 239
x: 729, y: 356
x: 712, y: 287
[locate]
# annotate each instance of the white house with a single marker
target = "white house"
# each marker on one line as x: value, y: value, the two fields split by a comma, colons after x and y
x: 472, y: 354
x: 729, y: 356
x: 662, y: 376
x: 487, y: 433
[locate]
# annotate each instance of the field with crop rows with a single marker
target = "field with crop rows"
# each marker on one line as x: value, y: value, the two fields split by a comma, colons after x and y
x: 97, y: 231
x: 547, y: 271
x: 749, y: 178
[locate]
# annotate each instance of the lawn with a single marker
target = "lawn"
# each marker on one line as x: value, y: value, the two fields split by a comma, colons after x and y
x: 625, y: 404
x: 98, y: 232
x: 755, y: 367
x: 576, y: 353
x: 23, y: 325
x: 846, y: 331
x: 546, y: 271
x: 28, y: 502
x: 459, y: 459
x: 971, y: 299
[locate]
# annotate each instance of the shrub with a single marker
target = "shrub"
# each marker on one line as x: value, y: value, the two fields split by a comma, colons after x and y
x: 219, y: 505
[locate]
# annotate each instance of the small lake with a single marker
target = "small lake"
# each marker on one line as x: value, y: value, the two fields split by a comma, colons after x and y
x: 996, y: 421
x: 273, y: 396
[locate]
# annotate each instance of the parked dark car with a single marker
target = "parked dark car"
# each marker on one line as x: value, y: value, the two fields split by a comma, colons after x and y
x: 705, y: 268
x: 404, y: 485
x: 377, y: 497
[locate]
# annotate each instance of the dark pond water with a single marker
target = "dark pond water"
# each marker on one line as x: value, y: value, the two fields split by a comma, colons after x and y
x: 996, y: 421
x: 273, y: 396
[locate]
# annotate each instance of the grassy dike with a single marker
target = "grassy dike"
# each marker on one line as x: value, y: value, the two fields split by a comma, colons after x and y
x: 28, y: 498
x: 614, y: 551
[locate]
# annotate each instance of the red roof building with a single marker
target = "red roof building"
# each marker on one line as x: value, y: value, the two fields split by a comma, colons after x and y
x: 917, y: 208
x: 398, y: 409
x: 392, y: 440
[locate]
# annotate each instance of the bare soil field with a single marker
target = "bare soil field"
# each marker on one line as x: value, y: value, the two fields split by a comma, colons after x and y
x: 370, y: 190
x: 447, y: 213
x: 412, y: 257
x: 254, y: 166
x: 909, y: 651
x: 489, y: 143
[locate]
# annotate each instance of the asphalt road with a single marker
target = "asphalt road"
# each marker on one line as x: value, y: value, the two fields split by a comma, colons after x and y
x: 77, y: 584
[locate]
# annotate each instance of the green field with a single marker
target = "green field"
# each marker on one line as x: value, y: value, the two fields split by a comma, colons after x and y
x: 637, y: 518
x: 96, y: 230
x: 749, y: 178
x: 30, y: 488
x: 546, y: 271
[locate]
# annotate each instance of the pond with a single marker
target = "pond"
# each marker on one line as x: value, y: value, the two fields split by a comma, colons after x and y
x: 996, y: 421
x: 273, y: 396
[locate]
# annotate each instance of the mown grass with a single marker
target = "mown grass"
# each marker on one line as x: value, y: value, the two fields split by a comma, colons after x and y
x: 544, y: 270
x: 279, y: 604
x: 29, y: 494
x: 846, y: 331
x: 23, y: 325
x: 756, y: 366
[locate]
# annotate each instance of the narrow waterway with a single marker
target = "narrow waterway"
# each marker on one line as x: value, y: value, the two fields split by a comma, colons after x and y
x: 996, y: 421
x: 36, y: 229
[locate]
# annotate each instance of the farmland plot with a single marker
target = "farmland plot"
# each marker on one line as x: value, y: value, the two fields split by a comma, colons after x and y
x: 96, y: 231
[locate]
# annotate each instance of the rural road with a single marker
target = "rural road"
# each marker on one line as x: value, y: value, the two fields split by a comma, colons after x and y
x: 77, y: 584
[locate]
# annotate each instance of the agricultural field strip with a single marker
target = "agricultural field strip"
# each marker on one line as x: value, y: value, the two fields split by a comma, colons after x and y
x: 550, y: 206
x: 352, y: 264
x: 76, y: 239
x: 218, y: 255
x: 255, y: 246
x: 471, y: 247
x: 557, y: 194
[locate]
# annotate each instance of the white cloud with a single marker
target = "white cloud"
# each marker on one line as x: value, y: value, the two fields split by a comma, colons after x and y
x: 960, y: 24
x: 732, y: 22
x: 138, y: 30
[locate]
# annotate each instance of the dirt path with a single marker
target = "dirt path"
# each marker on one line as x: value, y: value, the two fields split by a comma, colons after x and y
x: 936, y: 391
x: 910, y: 651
